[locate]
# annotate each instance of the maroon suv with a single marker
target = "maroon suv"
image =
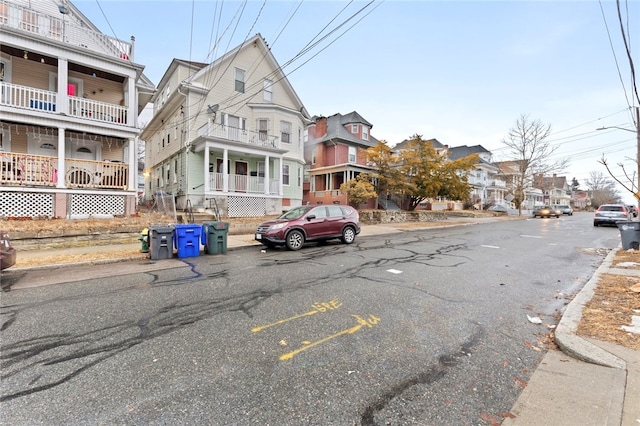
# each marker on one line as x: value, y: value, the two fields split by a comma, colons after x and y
x: 310, y: 223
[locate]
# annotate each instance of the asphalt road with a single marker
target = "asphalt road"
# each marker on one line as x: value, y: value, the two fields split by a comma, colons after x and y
x: 424, y: 327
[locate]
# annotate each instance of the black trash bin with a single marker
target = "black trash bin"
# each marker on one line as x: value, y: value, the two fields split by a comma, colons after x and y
x: 214, y: 237
x: 629, y: 234
x: 161, y: 242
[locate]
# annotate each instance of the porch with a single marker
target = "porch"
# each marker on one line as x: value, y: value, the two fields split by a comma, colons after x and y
x: 244, y: 184
x: 39, y: 170
x: 30, y: 98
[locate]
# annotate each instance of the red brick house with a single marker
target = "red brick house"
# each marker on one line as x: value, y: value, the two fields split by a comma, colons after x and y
x: 335, y: 152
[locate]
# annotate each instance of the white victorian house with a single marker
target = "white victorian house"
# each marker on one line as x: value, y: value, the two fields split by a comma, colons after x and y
x: 227, y: 134
x: 69, y: 103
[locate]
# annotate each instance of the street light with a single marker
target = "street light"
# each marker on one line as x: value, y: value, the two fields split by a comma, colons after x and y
x: 637, y: 132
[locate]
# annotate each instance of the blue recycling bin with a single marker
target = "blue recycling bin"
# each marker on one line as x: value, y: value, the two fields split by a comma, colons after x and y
x: 214, y: 237
x: 160, y: 242
x: 187, y: 239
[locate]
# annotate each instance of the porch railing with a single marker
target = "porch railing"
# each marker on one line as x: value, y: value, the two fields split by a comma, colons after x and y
x: 235, y: 134
x: 34, y: 99
x: 243, y: 183
x: 41, y: 170
x: 62, y: 28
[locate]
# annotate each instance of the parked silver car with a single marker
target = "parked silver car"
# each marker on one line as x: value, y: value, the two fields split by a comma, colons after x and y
x: 565, y: 209
x: 610, y: 214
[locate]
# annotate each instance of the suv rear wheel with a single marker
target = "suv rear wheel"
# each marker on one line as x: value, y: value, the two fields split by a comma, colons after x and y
x: 348, y: 235
x: 295, y: 240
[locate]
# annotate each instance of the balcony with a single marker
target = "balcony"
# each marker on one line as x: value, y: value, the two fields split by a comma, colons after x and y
x: 14, y: 95
x: 235, y: 134
x: 244, y: 184
x: 39, y: 170
x: 62, y: 28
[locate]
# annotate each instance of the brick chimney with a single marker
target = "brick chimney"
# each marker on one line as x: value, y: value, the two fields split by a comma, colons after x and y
x: 321, y: 126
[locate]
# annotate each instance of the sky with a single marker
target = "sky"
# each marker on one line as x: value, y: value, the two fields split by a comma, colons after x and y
x: 461, y: 72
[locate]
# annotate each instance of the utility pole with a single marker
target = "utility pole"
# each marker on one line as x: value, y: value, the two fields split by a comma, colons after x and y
x: 637, y: 193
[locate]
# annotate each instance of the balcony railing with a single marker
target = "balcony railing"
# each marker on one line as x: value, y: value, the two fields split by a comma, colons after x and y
x: 62, y: 28
x: 235, y: 134
x: 41, y: 170
x: 46, y: 101
x: 244, y: 183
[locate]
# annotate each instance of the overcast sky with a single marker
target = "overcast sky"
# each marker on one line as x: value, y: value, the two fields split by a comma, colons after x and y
x: 458, y: 71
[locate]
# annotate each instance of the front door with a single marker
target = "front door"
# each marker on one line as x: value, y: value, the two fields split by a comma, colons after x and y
x: 241, y: 176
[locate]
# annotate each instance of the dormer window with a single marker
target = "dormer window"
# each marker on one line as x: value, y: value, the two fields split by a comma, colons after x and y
x: 365, y: 133
x: 355, y: 129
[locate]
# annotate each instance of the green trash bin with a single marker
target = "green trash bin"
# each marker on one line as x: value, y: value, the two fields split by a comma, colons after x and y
x: 214, y: 237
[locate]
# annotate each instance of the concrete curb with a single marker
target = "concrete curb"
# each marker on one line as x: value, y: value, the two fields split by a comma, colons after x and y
x: 565, y: 334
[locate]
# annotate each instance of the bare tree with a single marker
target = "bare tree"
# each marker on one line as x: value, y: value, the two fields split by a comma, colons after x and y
x: 602, y: 189
x: 529, y: 147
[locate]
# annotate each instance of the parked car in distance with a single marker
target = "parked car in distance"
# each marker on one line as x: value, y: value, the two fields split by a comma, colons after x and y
x: 7, y: 252
x: 610, y: 214
x: 565, y: 209
x: 310, y: 223
x: 501, y: 209
x: 633, y: 210
x: 546, y: 211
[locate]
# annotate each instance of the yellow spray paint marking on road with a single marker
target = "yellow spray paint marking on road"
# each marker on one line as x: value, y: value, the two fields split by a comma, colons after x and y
x: 318, y: 307
x: 362, y: 322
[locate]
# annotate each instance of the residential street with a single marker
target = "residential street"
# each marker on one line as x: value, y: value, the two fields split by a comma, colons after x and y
x: 422, y: 327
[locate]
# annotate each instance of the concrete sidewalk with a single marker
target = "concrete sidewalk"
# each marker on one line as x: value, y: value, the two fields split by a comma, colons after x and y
x: 587, y: 383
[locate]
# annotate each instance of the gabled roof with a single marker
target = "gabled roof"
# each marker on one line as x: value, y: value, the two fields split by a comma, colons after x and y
x: 336, y: 129
x: 464, y: 151
x: 404, y: 145
x: 554, y: 182
x: 509, y: 167
x: 278, y: 74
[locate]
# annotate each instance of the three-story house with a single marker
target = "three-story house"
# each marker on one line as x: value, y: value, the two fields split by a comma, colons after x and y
x: 227, y: 135
x: 69, y: 103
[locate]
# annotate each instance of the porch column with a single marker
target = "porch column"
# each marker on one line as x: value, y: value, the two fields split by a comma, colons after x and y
x: 207, y: 170
x: 61, y: 150
x: 133, y: 166
x: 280, y: 183
x: 225, y: 170
x: 131, y: 101
x: 267, y: 176
x: 62, y: 103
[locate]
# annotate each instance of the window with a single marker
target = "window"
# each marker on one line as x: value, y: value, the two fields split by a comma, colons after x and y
x: 335, y: 211
x: 285, y: 131
x: 168, y: 138
x: 263, y: 128
x: 5, y: 142
x: 55, y: 28
x: 175, y: 171
x: 365, y: 133
x: 268, y: 90
x: 260, y: 172
x: 313, y: 156
x: 355, y: 128
x: 4, y: 13
x: 285, y: 174
x: 320, y: 212
x: 29, y: 21
x: 239, y: 80
x: 352, y: 154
